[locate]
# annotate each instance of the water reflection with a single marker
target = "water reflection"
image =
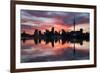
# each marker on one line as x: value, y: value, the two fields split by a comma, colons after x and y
x: 33, y: 50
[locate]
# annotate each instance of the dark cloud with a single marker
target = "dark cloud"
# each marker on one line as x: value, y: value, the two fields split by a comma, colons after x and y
x: 66, y: 17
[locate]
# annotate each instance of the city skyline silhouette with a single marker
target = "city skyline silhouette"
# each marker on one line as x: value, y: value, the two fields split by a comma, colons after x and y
x: 54, y: 36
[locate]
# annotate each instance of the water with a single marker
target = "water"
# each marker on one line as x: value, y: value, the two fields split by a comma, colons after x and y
x: 53, y: 51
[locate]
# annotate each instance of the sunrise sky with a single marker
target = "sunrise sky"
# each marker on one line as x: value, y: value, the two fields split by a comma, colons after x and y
x: 42, y: 20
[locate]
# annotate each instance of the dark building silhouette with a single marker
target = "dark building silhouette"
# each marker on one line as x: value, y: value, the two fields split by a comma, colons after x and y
x: 36, y: 33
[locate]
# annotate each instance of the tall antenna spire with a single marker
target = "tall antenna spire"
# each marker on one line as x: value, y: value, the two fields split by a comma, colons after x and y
x: 74, y: 23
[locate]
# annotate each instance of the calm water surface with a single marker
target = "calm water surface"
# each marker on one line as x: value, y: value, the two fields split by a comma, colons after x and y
x: 57, y: 51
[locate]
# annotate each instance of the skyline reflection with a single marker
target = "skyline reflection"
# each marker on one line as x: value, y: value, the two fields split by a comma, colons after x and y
x: 42, y: 52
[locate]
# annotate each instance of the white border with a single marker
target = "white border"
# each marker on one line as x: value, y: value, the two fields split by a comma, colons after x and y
x: 57, y: 63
